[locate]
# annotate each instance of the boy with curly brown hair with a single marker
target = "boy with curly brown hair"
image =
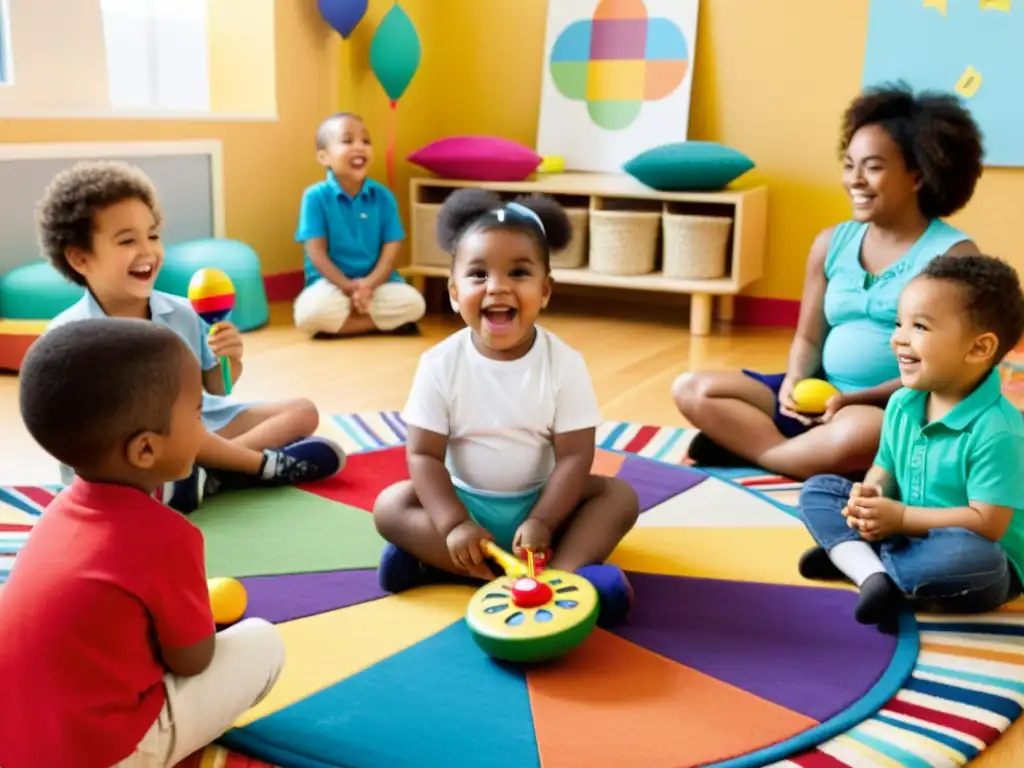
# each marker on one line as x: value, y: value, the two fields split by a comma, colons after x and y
x: 99, y: 225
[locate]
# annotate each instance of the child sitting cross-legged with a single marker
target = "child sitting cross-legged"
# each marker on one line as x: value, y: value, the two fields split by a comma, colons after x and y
x: 938, y: 519
x: 351, y: 232
x: 501, y: 421
x: 100, y: 226
x: 108, y: 649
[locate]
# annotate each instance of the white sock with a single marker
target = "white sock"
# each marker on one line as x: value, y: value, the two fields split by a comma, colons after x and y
x: 269, y: 469
x: 857, y: 560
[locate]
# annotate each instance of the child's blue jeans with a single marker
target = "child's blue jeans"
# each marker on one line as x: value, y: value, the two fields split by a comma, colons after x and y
x: 949, y: 570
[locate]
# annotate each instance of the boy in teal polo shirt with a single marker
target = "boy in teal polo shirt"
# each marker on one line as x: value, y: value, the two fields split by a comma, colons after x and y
x: 939, y: 518
x: 352, y: 233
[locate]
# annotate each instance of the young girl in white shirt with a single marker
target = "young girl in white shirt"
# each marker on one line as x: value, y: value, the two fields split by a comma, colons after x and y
x: 501, y: 421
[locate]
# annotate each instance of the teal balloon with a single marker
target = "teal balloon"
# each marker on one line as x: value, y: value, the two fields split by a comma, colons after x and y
x: 395, y: 52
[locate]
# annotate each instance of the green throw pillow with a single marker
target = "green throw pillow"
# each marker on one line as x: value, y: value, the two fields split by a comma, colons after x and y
x: 688, y: 166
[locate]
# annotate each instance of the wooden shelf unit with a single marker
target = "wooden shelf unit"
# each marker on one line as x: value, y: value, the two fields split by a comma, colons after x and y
x: 748, y: 209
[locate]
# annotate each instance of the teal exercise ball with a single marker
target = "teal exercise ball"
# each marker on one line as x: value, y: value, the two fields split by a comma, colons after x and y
x: 36, y: 292
x: 236, y: 259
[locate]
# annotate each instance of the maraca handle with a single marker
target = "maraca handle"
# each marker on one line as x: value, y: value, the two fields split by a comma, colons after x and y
x: 511, y: 565
x: 225, y: 369
x: 225, y: 366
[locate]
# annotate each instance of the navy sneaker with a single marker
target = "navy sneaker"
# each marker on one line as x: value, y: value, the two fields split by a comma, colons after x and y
x: 312, y: 458
x: 399, y: 571
x: 306, y: 460
x: 613, y: 589
x: 187, y: 494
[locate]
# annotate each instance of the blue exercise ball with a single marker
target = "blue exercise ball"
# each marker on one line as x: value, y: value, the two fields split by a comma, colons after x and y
x: 236, y: 259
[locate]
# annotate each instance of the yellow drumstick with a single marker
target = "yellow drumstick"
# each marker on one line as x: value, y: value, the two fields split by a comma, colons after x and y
x: 996, y: 5
x: 508, y: 563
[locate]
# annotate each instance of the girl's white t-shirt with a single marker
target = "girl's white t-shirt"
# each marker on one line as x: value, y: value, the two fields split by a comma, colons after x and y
x: 501, y: 416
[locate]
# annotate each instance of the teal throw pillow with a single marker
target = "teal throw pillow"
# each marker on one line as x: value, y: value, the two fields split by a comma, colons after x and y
x: 688, y: 166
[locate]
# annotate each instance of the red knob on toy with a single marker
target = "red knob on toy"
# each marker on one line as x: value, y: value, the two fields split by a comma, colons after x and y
x: 530, y: 593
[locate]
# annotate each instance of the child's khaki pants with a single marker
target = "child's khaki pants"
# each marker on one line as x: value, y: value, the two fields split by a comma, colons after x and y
x: 200, y: 709
x: 322, y: 308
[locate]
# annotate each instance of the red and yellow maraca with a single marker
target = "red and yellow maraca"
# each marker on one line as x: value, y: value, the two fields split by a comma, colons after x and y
x: 213, y: 297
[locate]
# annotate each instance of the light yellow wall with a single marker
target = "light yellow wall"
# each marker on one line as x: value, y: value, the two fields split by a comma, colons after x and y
x: 266, y: 164
x: 242, y: 61
x: 771, y: 78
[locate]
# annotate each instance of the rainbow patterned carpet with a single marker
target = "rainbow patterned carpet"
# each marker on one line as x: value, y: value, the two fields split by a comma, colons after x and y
x: 729, y: 659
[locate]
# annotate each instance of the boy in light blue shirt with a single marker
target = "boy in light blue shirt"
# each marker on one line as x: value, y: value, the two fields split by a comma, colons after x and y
x: 939, y: 518
x: 99, y: 226
x: 352, y: 233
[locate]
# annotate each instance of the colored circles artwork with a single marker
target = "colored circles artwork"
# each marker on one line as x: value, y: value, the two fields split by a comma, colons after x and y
x: 618, y: 60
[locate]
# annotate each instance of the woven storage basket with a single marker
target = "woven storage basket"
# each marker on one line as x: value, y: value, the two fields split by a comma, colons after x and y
x: 574, y: 255
x: 695, y: 246
x: 424, y: 232
x: 623, y: 242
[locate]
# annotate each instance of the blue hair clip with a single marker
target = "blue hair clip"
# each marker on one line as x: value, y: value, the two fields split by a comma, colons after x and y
x: 523, y: 212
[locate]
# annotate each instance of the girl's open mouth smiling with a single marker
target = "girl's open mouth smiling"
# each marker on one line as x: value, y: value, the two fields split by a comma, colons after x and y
x: 499, y: 316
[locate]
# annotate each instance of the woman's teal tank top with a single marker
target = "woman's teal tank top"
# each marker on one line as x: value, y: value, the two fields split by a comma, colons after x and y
x: 860, y: 308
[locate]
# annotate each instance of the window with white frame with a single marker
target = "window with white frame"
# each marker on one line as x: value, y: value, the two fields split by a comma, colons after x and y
x: 157, y: 54
x: 5, y: 44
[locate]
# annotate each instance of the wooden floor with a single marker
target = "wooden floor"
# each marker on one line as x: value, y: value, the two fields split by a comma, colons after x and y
x: 632, y: 362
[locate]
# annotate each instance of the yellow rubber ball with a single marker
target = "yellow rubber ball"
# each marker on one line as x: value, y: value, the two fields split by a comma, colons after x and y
x: 228, y: 599
x: 812, y: 395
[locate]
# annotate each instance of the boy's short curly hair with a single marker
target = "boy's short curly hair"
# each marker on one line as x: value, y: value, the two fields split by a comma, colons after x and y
x: 64, y: 215
x: 475, y: 210
x: 89, y: 386
x: 936, y: 135
x: 993, y: 300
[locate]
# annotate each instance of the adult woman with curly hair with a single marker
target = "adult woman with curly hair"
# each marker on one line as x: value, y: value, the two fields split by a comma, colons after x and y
x: 909, y: 161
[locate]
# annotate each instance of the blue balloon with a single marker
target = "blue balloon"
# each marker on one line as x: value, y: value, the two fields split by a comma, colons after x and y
x: 343, y: 15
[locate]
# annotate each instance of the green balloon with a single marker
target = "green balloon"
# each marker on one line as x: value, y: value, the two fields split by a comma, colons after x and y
x: 395, y: 52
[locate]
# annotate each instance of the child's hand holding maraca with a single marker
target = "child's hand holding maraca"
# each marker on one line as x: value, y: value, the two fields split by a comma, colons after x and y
x: 226, y: 341
x: 213, y: 297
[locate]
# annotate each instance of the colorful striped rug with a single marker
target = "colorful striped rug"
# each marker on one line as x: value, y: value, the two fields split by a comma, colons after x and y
x: 966, y: 688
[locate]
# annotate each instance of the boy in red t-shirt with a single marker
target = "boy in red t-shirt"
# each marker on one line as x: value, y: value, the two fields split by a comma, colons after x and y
x: 108, y: 650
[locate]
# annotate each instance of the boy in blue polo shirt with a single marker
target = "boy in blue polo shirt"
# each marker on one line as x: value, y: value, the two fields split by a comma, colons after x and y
x: 352, y: 233
x: 939, y: 518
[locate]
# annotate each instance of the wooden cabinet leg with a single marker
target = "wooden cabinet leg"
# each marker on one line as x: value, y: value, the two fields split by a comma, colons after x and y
x: 419, y: 282
x: 726, y: 308
x: 701, y: 309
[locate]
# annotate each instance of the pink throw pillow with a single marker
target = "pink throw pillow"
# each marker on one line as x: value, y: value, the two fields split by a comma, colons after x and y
x: 477, y: 158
